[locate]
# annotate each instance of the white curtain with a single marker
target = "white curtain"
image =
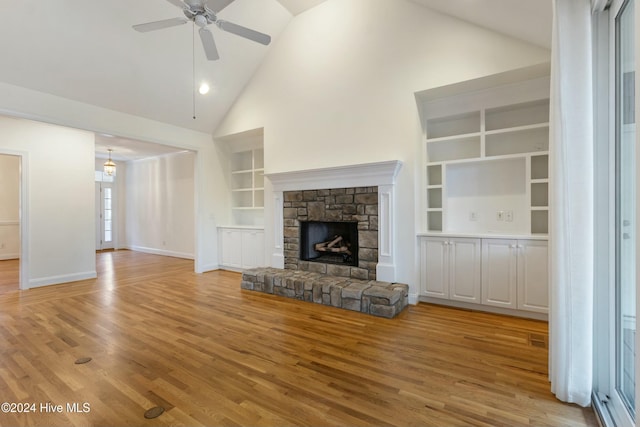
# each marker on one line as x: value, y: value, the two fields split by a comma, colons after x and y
x: 571, y: 215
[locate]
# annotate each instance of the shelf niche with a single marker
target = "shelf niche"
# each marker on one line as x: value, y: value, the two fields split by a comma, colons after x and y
x: 478, y: 191
x: 453, y: 125
x: 540, y: 167
x: 517, y: 142
x: 515, y: 115
x: 454, y: 149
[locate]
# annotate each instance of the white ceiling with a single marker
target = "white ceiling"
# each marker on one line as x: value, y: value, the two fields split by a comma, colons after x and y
x: 88, y: 52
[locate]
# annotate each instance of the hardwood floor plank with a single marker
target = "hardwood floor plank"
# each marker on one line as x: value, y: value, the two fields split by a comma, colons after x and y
x: 213, y: 354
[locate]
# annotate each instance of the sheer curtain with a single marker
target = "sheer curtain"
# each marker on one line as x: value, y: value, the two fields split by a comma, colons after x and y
x: 571, y: 215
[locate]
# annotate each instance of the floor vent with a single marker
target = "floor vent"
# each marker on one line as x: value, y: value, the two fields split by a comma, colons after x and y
x: 538, y: 340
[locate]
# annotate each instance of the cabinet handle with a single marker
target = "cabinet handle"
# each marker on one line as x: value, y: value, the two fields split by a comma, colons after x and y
x: 512, y: 246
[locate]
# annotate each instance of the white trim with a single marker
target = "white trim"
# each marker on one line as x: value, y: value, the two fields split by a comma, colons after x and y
x: 209, y: 267
x: 484, y: 308
x: 162, y: 252
x: 12, y: 255
x: 380, y: 174
x: 361, y: 175
x: 64, y: 278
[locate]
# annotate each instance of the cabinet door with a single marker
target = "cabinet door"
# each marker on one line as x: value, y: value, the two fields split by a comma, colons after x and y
x: 434, y: 267
x: 499, y: 272
x: 252, y: 249
x: 533, y: 278
x: 231, y: 248
x: 464, y: 270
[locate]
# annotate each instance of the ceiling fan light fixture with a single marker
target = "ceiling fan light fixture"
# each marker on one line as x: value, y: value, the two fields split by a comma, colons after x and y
x: 201, y: 21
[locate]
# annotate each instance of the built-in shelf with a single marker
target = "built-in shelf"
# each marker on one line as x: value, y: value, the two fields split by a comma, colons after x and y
x: 247, y: 179
x: 459, y: 124
x: 513, y: 115
x: 454, y: 149
x: 528, y: 140
x: 434, y: 198
x: 487, y: 160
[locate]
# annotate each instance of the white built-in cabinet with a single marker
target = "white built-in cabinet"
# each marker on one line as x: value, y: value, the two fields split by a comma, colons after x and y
x: 241, y: 237
x: 515, y: 274
x: 506, y: 273
x: 452, y: 268
x: 241, y: 247
x: 486, y: 193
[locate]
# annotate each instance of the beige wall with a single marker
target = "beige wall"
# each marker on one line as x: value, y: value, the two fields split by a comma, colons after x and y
x: 59, y: 180
x: 9, y: 207
x: 338, y: 89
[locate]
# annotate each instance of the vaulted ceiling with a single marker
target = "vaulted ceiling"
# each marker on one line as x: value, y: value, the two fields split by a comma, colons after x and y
x: 87, y: 51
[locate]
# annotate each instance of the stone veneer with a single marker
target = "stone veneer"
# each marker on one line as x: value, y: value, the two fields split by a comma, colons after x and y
x: 341, y: 204
x: 381, y: 299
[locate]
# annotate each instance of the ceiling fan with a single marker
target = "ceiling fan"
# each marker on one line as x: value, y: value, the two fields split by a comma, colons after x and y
x: 203, y: 13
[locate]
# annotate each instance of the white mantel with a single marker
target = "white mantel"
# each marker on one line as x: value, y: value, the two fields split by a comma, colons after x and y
x: 380, y: 174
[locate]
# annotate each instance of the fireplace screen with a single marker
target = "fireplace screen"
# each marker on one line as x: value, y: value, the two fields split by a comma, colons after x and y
x: 329, y: 242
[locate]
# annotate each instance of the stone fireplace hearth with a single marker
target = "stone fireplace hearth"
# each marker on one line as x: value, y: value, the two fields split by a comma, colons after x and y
x: 357, y: 205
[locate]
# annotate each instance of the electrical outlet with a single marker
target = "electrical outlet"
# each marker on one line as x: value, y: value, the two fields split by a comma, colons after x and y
x: 473, y: 216
x: 500, y: 216
x: 508, y: 216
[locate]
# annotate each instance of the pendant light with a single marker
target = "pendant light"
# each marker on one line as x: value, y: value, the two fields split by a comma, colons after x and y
x: 109, y: 166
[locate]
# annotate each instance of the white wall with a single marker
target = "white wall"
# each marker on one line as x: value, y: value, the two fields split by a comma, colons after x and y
x: 9, y: 207
x: 160, y: 205
x: 59, y: 179
x: 20, y: 102
x: 338, y: 88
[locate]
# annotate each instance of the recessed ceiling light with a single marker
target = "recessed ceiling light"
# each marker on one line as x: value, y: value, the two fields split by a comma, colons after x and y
x: 204, y: 89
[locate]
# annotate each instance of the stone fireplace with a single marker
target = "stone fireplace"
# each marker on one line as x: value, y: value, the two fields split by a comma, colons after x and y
x: 313, y: 217
x: 329, y: 242
x: 363, y: 193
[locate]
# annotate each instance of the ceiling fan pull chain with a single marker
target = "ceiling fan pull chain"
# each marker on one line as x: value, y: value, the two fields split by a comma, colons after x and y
x: 193, y: 66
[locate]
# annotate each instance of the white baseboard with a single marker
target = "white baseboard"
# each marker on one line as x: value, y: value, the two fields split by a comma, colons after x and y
x: 413, y: 299
x: 208, y: 267
x: 485, y: 308
x: 64, y: 278
x: 162, y: 252
x: 4, y: 257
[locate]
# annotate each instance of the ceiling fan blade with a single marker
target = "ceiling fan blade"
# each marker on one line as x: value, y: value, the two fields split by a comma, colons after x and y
x: 158, y: 25
x: 177, y: 3
x: 217, y: 5
x: 209, y: 44
x: 245, y: 32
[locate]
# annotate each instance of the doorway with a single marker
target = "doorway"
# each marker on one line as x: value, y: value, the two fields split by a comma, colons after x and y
x: 9, y: 223
x: 105, y: 215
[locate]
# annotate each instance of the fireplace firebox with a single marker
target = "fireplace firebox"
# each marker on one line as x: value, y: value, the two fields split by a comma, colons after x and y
x: 329, y: 242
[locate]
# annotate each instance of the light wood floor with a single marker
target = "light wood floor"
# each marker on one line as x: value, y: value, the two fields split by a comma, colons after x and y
x: 9, y: 275
x: 212, y: 354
